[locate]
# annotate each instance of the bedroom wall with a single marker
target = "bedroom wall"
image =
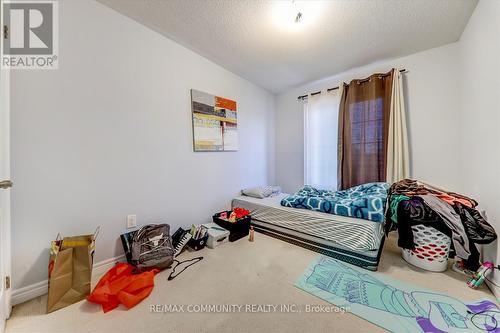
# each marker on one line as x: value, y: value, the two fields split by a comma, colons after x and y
x: 109, y: 134
x: 480, y: 115
x: 453, y: 108
x: 432, y: 104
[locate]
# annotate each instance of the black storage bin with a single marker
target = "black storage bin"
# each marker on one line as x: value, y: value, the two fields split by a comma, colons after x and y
x: 238, y: 229
x: 198, y: 244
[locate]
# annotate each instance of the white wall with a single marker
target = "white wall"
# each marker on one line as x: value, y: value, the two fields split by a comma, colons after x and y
x: 480, y: 115
x: 432, y: 104
x: 109, y: 134
x: 452, y: 100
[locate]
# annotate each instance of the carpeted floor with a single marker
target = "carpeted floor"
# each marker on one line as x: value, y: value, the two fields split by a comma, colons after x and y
x: 240, y: 273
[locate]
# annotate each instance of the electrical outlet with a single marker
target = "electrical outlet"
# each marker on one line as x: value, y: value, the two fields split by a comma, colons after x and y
x: 131, y: 221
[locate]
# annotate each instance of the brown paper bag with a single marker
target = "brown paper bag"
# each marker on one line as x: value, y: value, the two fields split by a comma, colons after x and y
x: 70, y: 270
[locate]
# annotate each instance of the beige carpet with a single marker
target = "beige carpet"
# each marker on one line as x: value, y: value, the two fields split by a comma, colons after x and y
x: 262, y: 273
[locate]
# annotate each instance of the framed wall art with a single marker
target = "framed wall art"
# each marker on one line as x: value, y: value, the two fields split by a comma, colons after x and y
x: 215, y: 122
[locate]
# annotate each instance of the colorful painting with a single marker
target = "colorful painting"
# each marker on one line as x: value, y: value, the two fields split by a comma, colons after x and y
x: 215, y: 122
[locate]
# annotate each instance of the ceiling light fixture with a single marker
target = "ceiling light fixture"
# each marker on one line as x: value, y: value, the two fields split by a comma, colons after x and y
x: 295, y: 15
x: 298, y: 17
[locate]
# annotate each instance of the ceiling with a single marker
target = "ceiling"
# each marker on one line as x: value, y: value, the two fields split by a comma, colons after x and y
x: 260, y: 41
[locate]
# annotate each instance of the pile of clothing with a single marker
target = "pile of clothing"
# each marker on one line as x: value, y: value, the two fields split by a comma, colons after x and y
x: 413, y: 202
x: 234, y: 215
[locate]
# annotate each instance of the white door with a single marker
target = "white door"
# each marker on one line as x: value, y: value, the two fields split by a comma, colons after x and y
x: 5, y: 305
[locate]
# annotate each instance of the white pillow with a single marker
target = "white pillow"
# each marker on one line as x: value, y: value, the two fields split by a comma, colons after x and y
x: 261, y: 191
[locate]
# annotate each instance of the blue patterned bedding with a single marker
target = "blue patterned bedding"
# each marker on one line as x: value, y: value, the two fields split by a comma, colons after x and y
x: 366, y: 201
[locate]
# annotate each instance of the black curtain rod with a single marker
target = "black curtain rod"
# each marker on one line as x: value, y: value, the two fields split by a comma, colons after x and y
x: 335, y: 88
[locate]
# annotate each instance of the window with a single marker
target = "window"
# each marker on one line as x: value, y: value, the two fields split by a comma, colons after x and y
x: 367, y: 120
x: 321, y: 114
x: 364, y: 125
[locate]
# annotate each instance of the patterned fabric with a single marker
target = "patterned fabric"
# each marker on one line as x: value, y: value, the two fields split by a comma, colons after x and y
x: 451, y: 213
x: 410, y: 187
x: 366, y: 201
x: 368, y: 260
x: 351, y: 233
x: 393, y: 206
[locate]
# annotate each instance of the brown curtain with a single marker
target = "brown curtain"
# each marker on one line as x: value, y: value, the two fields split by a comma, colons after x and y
x: 363, y: 130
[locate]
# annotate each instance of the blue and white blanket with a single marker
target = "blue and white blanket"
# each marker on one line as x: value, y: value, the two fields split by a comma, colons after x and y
x: 366, y: 201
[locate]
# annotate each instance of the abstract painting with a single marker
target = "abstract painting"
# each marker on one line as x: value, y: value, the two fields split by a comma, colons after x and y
x: 215, y: 122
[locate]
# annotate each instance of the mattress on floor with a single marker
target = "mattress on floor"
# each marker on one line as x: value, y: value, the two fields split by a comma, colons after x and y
x: 365, y: 259
x: 346, y: 232
x: 358, y: 242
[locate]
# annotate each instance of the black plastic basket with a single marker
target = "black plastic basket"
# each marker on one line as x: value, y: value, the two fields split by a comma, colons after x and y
x: 238, y: 229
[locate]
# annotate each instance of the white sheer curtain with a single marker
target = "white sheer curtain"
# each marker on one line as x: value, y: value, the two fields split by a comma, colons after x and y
x: 321, y: 114
x: 398, y: 159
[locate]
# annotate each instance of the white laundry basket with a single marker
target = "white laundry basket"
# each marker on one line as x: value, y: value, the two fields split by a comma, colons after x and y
x: 431, y: 249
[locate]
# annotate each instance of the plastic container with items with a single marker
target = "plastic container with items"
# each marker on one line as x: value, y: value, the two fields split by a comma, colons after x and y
x: 216, y: 235
x: 431, y: 249
x: 237, y: 222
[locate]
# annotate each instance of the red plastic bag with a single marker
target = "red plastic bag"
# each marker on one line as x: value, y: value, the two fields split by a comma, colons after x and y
x: 119, y: 285
x: 240, y: 212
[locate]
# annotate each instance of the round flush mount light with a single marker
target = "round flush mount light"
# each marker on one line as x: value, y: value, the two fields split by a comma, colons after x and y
x: 298, y: 17
x: 295, y: 15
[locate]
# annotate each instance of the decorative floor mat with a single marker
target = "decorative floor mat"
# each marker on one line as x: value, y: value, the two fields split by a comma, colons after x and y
x: 395, y: 305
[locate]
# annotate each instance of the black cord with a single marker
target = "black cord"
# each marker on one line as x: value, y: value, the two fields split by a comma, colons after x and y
x: 493, y: 283
x: 485, y: 313
x: 177, y: 263
x: 486, y: 277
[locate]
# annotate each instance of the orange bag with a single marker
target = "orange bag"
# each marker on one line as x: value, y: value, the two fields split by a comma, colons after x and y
x: 119, y: 285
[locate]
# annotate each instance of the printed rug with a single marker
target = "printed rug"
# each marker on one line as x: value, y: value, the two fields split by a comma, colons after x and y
x: 395, y: 305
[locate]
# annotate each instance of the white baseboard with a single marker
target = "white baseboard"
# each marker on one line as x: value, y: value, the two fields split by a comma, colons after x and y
x: 27, y: 293
x: 494, y: 290
x: 34, y: 290
x: 102, y: 267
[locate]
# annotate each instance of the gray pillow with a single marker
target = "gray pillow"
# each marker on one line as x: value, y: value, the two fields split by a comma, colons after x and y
x: 261, y: 191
